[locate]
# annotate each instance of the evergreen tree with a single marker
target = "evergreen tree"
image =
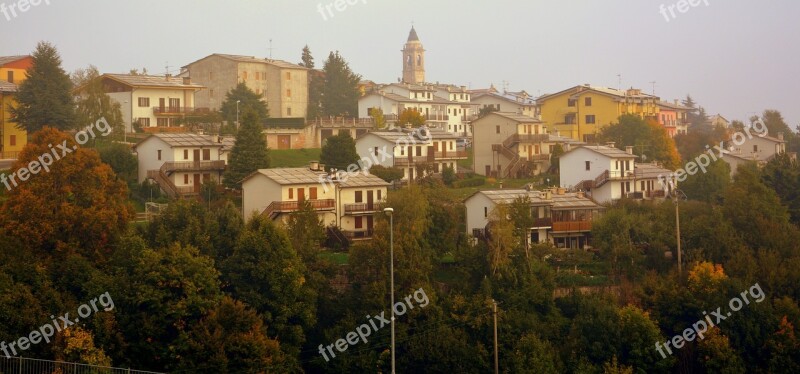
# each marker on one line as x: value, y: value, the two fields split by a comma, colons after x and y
x: 316, y: 79
x: 340, y: 91
x: 249, y: 101
x: 249, y: 153
x: 44, y: 98
x: 339, y: 151
x: 308, y: 60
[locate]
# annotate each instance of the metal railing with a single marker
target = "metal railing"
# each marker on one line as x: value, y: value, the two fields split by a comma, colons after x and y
x: 449, y: 154
x: 171, y: 166
x: 405, y: 160
x: 290, y: 206
x: 178, y: 110
x: 362, y: 208
x: 22, y: 365
x: 358, y: 234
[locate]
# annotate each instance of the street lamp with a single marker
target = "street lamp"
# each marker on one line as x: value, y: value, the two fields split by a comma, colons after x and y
x: 237, y: 114
x: 389, y: 212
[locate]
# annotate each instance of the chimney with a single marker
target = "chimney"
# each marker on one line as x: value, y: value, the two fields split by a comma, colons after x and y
x: 676, y: 102
x: 629, y: 149
x: 167, y: 76
x: 780, y: 135
x: 610, y: 144
x: 187, y: 80
x: 313, y: 165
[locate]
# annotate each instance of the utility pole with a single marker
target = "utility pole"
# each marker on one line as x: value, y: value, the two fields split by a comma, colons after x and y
x: 678, y: 232
x: 496, y: 362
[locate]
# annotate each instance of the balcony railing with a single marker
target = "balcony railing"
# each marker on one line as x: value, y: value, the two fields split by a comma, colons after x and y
x: 358, y: 234
x: 405, y: 160
x: 539, y: 157
x: 357, y: 208
x: 437, y: 117
x: 542, y: 222
x: 449, y: 154
x: 291, y: 206
x: 178, y: 110
x: 572, y: 226
x: 171, y: 166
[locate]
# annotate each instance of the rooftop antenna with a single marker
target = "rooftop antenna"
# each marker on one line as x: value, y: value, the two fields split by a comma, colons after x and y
x: 166, y: 68
x: 654, y: 87
x: 270, y: 48
x: 505, y: 86
x: 619, y: 82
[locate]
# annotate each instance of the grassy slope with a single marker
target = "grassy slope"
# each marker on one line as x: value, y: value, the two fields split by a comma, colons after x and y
x: 292, y: 158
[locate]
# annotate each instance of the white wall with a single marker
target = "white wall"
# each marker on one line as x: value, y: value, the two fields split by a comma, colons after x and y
x: 573, y: 166
x: 475, y: 205
x: 147, y: 155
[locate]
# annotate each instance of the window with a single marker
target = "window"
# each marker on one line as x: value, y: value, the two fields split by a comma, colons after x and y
x: 10, y: 76
x: 359, y: 196
x: 359, y: 222
x: 288, y: 93
x: 144, y: 102
x: 288, y: 75
x: 312, y: 192
x: 174, y: 103
x: 497, y: 129
x: 162, y: 122
x: 379, y: 195
x: 375, y: 151
x: 569, y: 119
x: 186, y: 179
x: 485, y: 212
x: 185, y: 154
x: 587, y: 101
x: 571, y: 102
x: 144, y: 122
x: 588, y: 165
x: 589, y: 119
x: 12, y: 140
x: 402, y: 151
x: 291, y: 193
x: 419, y: 150
x: 288, y: 111
x: 159, y: 155
x: 206, y: 154
x: 755, y: 147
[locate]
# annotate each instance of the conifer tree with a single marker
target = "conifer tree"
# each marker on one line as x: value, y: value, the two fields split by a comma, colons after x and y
x: 249, y: 153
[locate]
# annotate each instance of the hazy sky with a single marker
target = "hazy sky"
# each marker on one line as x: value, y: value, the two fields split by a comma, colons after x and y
x: 736, y: 58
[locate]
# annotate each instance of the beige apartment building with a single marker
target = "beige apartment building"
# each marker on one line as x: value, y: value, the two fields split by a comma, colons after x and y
x: 283, y: 85
x: 508, y: 144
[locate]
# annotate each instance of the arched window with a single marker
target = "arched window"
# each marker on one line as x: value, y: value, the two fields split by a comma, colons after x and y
x: 419, y: 60
x: 408, y: 60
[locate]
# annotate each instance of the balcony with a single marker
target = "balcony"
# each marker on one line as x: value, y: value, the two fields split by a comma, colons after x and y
x: 406, y: 161
x: 572, y: 226
x: 436, y: 117
x: 542, y: 223
x: 449, y: 155
x: 171, y: 166
x: 277, y: 207
x: 362, y: 208
x: 178, y: 110
x: 531, y: 138
x: 538, y: 158
x: 358, y: 234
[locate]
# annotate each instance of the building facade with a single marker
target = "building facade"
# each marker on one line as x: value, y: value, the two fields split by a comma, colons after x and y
x: 414, y: 151
x: 580, y: 112
x: 283, y: 85
x: 674, y: 117
x: 181, y: 163
x: 561, y: 218
x: 13, y: 70
x: 509, y: 144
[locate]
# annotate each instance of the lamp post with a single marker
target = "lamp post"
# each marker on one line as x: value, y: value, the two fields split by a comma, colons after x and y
x: 389, y: 212
x: 237, y: 114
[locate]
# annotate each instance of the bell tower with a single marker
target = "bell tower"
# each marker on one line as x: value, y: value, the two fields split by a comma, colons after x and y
x: 413, y: 60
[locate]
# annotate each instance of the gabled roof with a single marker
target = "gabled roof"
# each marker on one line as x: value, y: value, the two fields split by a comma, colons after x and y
x: 669, y: 105
x: 565, y: 201
x: 362, y: 179
x: 649, y: 170
x: 287, y: 176
x: 252, y: 59
x: 7, y: 87
x: 137, y: 81
x: 508, y: 96
x: 598, y: 89
x: 605, y: 151
x: 9, y: 59
x: 188, y: 140
x: 514, y: 117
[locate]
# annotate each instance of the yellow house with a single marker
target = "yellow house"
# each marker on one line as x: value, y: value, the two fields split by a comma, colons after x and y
x: 13, y: 70
x: 581, y: 111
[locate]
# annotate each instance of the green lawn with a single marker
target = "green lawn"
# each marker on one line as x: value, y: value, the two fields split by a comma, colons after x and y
x: 293, y: 158
x: 339, y: 258
x: 467, y: 163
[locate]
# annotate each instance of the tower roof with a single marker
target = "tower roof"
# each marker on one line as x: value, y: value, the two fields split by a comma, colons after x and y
x: 412, y: 36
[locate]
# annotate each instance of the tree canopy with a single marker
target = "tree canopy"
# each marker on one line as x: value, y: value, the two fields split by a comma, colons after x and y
x: 340, y: 89
x: 339, y: 151
x: 249, y: 153
x: 249, y: 102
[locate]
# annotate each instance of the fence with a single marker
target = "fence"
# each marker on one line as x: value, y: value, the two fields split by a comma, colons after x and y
x: 20, y: 365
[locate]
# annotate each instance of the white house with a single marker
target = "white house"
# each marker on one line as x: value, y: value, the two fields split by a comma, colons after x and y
x: 181, y: 162
x: 755, y: 148
x: 561, y: 218
x: 439, y: 112
x: 150, y: 100
x: 348, y: 203
x: 511, y: 102
x: 407, y: 149
x: 609, y: 174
